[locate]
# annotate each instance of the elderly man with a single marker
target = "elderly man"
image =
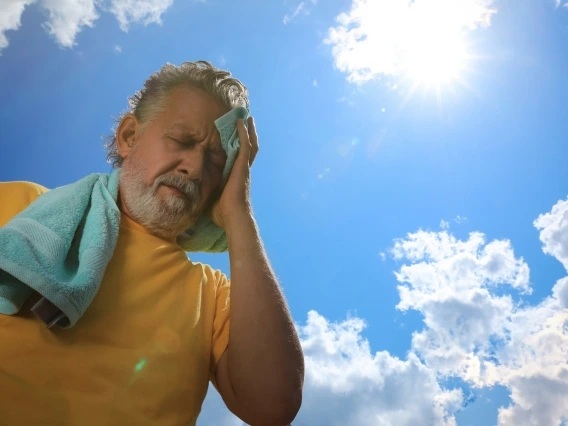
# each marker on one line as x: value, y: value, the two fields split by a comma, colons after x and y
x: 160, y: 326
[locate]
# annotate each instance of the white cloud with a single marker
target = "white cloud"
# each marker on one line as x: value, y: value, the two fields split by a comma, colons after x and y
x: 444, y: 224
x: 10, y: 18
x: 117, y: 49
x: 66, y: 18
x: 554, y: 231
x: 304, y: 8
x: 450, y: 282
x: 315, y: 83
x: 476, y: 330
x: 347, y: 384
x: 373, y: 38
x: 139, y: 11
x: 533, y: 366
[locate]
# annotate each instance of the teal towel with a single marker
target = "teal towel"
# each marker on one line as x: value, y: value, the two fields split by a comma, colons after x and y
x: 61, y: 244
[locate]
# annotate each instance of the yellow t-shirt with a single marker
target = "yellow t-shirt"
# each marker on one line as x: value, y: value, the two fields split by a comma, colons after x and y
x: 143, y: 352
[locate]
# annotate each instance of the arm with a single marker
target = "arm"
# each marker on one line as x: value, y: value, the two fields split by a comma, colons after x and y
x: 260, y: 375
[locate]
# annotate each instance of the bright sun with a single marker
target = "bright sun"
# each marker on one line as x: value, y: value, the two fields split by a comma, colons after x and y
x: 423, y: 44
x: 434, y: 53
x: 435, y: 62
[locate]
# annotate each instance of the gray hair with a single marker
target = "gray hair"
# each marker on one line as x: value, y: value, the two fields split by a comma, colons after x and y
x: 144, y: 104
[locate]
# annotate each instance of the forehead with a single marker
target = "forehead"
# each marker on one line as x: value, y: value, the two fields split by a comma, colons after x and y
x: 191, y: 109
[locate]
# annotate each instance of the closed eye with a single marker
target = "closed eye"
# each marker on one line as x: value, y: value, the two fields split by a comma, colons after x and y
x: 185, y: 143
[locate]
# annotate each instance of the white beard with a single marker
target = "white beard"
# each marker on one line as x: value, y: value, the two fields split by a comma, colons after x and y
x: 163, y: 215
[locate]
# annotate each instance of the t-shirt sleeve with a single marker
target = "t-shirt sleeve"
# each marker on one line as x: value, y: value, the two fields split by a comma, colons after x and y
x: 220, y: 338
x: 16, y: 197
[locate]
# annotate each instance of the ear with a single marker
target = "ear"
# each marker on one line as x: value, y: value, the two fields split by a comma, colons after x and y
x: 127, y: 133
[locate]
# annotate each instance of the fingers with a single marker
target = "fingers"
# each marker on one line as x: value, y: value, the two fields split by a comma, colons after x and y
x: 244, y: 155
x: 253, y: 137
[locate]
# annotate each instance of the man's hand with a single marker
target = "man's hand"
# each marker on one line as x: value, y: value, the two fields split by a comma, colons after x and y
x: 235, y: 198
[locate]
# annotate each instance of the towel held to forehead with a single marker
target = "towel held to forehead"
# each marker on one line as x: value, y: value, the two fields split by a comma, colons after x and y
x: 61, y: 244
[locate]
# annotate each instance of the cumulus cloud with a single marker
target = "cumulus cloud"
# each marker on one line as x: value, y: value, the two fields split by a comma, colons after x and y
x: 66, y: 18
x: 146, y: 12
x: 474, y: 326
x: 553, y: 228
x: 347, y: 384
x: 451, y: 283
x: 304, y: 8
x: 10, y: 18
x: 532, y: 364
x: 374, y: 36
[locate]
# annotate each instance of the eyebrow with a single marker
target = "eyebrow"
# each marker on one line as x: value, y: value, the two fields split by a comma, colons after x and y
x: 179, y: 127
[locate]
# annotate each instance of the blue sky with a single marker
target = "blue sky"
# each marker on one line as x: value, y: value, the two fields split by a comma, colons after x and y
x: 410, y: 187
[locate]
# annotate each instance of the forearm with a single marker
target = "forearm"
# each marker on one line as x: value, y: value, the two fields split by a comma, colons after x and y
x: 266, y: 364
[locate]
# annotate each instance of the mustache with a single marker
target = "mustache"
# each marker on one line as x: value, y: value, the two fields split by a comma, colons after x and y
x: 187, y: 187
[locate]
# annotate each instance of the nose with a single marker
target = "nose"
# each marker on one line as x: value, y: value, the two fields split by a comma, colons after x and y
x: 192, y: 163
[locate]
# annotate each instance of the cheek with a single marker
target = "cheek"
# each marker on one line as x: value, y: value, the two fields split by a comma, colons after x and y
x: 154, y: 162
x: 144, y: 172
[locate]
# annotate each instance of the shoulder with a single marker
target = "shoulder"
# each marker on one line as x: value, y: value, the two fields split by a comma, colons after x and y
x: 214, y: 276
x: 16, y: 196
x: 22, y: 190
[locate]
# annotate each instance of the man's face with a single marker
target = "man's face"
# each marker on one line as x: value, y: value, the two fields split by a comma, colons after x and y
x: 173, y: 167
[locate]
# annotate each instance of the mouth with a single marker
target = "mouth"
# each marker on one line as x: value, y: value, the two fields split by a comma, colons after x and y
x: 176, y: 191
